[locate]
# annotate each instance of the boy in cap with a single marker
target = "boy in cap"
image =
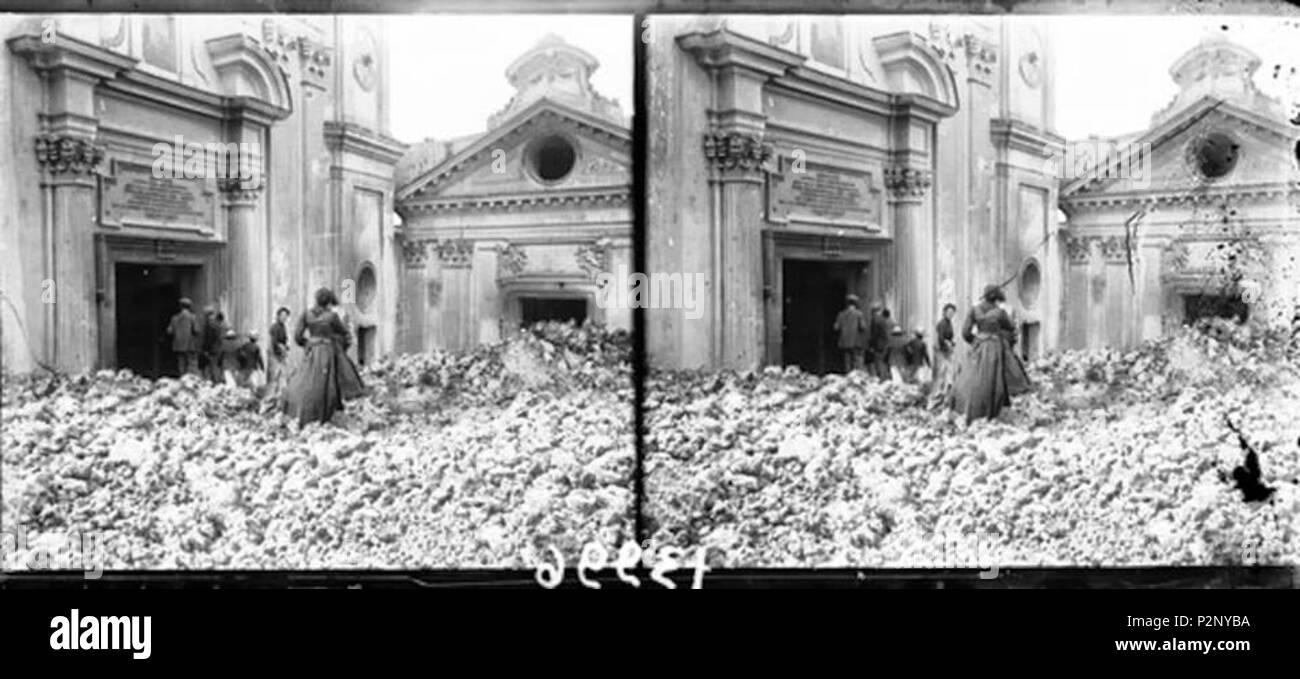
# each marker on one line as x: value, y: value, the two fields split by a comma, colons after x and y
x: 852, y: 328
x: 249, y: 355
x: 915, y: 355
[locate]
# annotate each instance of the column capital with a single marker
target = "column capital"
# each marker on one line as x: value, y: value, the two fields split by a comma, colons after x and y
x: 733, y: 152
x: 68, y: 155
x: 235, y: 193
x: 415, y: 252
x: 907, y: 183
x: 455, y: 252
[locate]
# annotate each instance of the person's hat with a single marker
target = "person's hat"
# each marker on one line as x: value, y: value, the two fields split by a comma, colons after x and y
x: 896, y: 330
x: 991, y: 291
x: 851, y: 298
x: 920, y: 332
x: 185, y: 302
x: 230, y: 334
x: 253, y: 333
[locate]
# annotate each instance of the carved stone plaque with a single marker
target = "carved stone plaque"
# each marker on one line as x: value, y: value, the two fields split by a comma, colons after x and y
x: 823, y: 195
x: 133, y: 196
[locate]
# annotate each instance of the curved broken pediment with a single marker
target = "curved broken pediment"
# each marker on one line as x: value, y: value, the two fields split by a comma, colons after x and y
x: 911, y: 66
x: 244, y: 69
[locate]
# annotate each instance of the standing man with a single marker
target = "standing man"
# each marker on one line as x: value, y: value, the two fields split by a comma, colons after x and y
x: 852, y: 328
x: 944, y: 347
x: 185, y: 332
x: 277, y: 370
x: 881, y: 333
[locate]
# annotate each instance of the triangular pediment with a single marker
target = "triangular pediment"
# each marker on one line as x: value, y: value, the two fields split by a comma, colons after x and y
x: 502, y: 162
x: 1164, y: 158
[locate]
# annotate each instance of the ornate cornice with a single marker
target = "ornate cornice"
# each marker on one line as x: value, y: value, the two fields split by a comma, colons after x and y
x: 63, y: 154
x: 313, y: 56
x: 736, y: 151
x: 1182, y: 196
x: 357, y: 140
x: 507, y: 203
x: 907, y: 182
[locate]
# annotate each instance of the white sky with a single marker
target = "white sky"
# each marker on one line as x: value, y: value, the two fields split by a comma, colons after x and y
x: 1112, y: 73
x: 448, y: 72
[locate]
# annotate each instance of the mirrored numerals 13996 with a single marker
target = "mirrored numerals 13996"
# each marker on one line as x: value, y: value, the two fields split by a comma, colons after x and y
x: 595, y: 558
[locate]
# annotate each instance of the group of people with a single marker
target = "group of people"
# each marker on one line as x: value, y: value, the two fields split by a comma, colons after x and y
x: 979, y: 386
x: 209, y: 347
x: 879, y: 345
x: 312, y: 391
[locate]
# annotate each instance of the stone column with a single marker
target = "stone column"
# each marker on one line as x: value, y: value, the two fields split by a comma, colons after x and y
x: 913, y: 244
x: 460, y: 324
x: 736, y: 160
x: 415, y: 254
x: 68, y: 163
x: 1150, y: 290
x: 246, y: 251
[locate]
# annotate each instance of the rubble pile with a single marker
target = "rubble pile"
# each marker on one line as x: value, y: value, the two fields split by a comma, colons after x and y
x: 1114, y: 459
x: 502, y: 457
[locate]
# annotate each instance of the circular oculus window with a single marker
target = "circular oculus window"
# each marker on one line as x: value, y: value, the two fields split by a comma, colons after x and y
x: 552, y: 158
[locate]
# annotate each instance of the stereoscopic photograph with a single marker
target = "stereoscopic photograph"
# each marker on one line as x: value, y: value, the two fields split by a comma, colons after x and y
x: 304, y: 291
x: 974, y: 291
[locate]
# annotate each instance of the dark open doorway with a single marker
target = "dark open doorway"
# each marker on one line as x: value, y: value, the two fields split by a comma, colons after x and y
x: 814, y: 292
x: 539, y: 309
x: 1196, y: 307
x: 145, y: 298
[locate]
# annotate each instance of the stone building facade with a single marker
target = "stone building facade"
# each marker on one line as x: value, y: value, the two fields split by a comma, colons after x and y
x: 515, y: 225
x: 794, y: 160
x: 1195, y: 216
x: 98, y: 246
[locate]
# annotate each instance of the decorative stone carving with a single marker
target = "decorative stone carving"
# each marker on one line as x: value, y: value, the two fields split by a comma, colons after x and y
x: 944, y: 43
x: 68, y: 155
x: 593, y: 258
x: 455, y: 253
x: 981, y: 57
x: 511, y: 261
x: 415, y: 252
x: 736, y: 151
x: 1079, y: 250
x: 314, y: 57
x: 908, y: 182
x: 365, y: 65
x: 784, y: 37
x: 1113, y: 249
x: 1175, y: 256
x: 235, y: 192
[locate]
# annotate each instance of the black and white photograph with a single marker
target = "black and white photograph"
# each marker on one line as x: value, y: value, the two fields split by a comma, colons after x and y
x: 974, y: 292
x: 649, y: 295
x: 314, y: 291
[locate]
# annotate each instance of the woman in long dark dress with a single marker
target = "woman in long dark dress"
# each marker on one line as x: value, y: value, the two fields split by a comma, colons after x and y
x: 326, y: 375
x: 992, y: 372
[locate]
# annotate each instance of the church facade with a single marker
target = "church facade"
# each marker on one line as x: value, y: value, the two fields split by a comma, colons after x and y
x: 1195, y: 216
x: 796, y: 160
x: 517, y: 224
x: 242, y: 162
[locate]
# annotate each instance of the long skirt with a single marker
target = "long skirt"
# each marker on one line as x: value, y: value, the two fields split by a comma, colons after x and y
x: 320, y: 383
x: 985, y: 381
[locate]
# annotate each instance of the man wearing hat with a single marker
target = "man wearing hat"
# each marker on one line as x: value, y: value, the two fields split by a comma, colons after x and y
x: 185, y: 333
x: 879, y: 338
x: 852, y: 328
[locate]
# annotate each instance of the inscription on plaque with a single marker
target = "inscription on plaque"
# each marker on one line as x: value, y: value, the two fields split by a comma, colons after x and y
x: 823, y: 195
x: 134, y: 197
